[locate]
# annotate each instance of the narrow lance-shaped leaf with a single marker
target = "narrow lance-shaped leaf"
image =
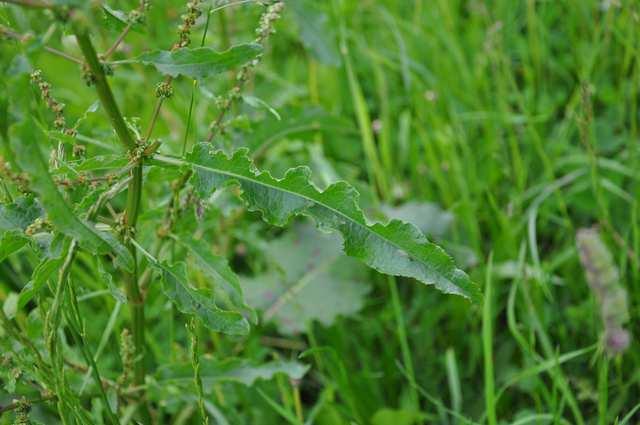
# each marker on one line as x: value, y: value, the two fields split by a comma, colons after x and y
x: 200, y: 62
x: 24, y: 142
x: 395, y: 248
x: 198, y: 303
x: 43, y: 271
x: 194, y: 301
x: 226, y: 283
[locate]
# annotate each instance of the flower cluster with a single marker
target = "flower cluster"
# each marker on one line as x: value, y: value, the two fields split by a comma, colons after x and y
x: 604, y: 281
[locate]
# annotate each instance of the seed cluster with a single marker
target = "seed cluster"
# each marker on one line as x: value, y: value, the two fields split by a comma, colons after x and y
x: 7, y: 174
x: 22, y: 412
x: 264, y: 30
x: 38, y: 226
x: 127, y: 356
x: 188, y: 21
x: 56, y: 107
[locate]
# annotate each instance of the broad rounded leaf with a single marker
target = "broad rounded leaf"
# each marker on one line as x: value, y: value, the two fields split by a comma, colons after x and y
x: 314, y: 281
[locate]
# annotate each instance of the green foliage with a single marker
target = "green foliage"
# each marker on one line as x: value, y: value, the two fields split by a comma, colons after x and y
x: 216, y: 268
x: 25, y: 137
x: 11, y: 242
x: 168, y: 176
x: 396, y: 248
x: 201, y: 62
x: 18, y: 215
x: 316, y: 33
x: 309, y: 281
x: 228, y: 370
x: 199, y: 303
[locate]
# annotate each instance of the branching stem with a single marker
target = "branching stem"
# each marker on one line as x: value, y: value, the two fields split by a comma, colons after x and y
x: 63, y: 55
x: 118, y: 41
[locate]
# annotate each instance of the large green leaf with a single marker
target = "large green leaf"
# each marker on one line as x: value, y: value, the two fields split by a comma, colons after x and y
x: 200, y: 62
x: 24, y: 142
x: 395, y: 248
x: 426, y: 216
x: 314, y: 281
x: 228, y: 370
x: 198, y: 302
x: 226, y: 283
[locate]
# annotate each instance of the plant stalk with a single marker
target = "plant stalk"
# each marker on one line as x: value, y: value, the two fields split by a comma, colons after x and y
x: 34, y: 4
x: 134, y: 192
x: 102, y: 87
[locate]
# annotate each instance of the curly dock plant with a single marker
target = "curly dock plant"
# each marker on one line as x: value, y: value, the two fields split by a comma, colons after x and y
x: 66, y: 206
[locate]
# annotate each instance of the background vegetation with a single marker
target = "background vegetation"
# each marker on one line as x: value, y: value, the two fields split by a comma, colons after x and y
x: 499, y: 128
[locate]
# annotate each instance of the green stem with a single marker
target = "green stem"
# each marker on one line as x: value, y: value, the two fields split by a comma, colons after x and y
x: 407, y: 358
x: 487, y: 345
x: 34, y: 4
x: 603, y: 388
x: 75, y: 325
x: 102, y: 87
x: 108, y: 102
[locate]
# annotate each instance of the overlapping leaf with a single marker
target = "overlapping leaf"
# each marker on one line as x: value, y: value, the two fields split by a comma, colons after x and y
x: 197, y: 302
x: 24, y: 142
x: 43, y: 271
x: 311, y: 268
x: 19, y: 214
x: 200, y: 62
x: 118, y: 19
x: 11, y: 242
x: 395, y: 248
x: 229, y: 370
x: 225, y: 282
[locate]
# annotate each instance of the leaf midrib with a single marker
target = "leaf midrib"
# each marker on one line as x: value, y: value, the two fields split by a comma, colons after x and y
x: 179, y: 161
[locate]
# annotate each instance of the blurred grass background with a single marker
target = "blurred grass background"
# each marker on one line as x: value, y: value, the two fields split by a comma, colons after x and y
x: 517, y: 117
